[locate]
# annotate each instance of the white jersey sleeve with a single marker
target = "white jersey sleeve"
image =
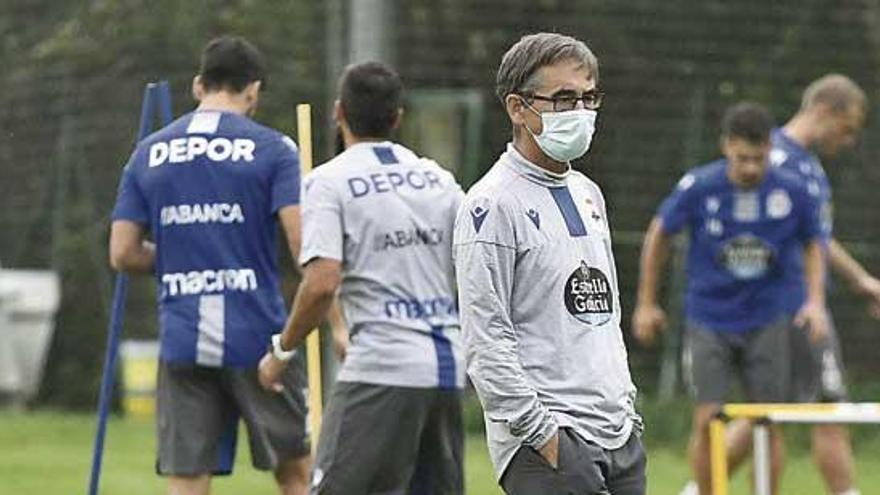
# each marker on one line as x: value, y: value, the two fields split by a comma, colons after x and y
x: 322, y: 226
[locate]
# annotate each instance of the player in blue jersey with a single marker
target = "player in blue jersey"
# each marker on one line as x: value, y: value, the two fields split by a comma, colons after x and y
x: 377, y: 230
x: 831, y: 116
x: 211, y: 188
x: 748, y: 224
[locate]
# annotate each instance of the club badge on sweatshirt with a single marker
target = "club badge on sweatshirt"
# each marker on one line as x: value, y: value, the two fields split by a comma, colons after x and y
x: 588, y: 295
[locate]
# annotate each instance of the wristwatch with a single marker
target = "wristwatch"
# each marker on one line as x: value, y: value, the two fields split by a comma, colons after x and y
x: 279, y: 353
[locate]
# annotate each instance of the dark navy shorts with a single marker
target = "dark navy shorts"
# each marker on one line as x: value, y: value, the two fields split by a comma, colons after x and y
x: 198, y: 412
x: 584, y: 468
x: 379, y: 439
x: 817, y: 368
x: 758, y: 358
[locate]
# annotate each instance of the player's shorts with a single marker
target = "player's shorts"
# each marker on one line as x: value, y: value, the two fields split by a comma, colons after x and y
x: 760, y: 358
x: 198, y: 409
x: 817, y: 368
x: 378, y: 439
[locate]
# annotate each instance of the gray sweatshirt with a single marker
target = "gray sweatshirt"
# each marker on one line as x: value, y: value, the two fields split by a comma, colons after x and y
x: 540, y: 309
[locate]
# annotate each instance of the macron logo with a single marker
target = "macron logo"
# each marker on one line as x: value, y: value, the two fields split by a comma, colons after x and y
x: 533, y: 216
x: 209, y: 281
x: 478, y: 214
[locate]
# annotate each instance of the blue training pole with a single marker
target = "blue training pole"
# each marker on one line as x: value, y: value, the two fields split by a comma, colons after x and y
x: 163, y: 95
x: 154, y: 94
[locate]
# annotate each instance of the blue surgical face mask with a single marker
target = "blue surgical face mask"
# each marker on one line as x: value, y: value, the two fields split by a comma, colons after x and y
x: 566, y: 135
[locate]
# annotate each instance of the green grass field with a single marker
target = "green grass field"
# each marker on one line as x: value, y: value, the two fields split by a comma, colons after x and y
x: 50, y: 453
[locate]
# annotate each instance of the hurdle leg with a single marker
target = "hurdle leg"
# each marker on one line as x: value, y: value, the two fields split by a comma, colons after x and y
x: 718, y: 455
x: 762, y: 457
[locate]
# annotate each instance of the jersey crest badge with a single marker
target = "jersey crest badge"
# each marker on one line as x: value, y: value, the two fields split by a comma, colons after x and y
x: 778, y: 204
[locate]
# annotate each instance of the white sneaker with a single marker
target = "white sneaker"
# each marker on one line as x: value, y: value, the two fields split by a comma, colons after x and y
x: 690, y: 488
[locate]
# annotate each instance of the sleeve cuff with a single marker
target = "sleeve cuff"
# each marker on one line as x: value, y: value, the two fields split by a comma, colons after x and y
x: 542, y: 435
x: 278, y: 206
x: 307, y: 256
x: 127, y: 217
x: 537, y: 429
x: 667, y: 227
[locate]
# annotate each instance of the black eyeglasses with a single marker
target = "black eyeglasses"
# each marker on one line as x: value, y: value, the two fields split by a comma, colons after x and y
x: 592, y: 100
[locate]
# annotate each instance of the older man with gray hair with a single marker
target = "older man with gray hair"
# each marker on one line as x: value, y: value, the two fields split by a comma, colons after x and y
x: 538, y: 290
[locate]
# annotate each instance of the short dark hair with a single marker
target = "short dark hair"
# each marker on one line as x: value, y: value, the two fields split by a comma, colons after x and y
x: 523, y: 59
x: 371, y: 94
x: 747, y: 120
x: 231, y: 63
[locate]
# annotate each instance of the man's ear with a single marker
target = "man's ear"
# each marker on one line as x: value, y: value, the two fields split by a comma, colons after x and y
x: 198, y: 89
x: 338, y: 113
x: 397, y: 119
x: 723, y: 142
x: 252, y: 90
x: 339, y: 117
x: 515, y: 107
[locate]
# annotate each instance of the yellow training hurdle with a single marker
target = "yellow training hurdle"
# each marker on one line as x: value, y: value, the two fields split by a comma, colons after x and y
x: 762, y: 415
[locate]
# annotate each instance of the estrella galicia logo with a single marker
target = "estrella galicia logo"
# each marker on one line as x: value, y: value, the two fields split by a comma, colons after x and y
x: 534, y: 217
x: 588, y: 295
x: 746, y: 257
x: 479, y: 212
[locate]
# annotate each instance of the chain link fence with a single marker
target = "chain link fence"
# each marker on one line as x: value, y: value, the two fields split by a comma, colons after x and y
x: 74, y: 72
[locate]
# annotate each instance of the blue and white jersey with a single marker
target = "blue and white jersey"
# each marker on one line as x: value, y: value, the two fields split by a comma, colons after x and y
x: 742, y: 243
x: 790, y: 155
x: 209, y: 187
x: 387, y: 215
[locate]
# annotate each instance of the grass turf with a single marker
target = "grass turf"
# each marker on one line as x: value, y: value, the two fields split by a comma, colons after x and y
x: 50, y: 452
